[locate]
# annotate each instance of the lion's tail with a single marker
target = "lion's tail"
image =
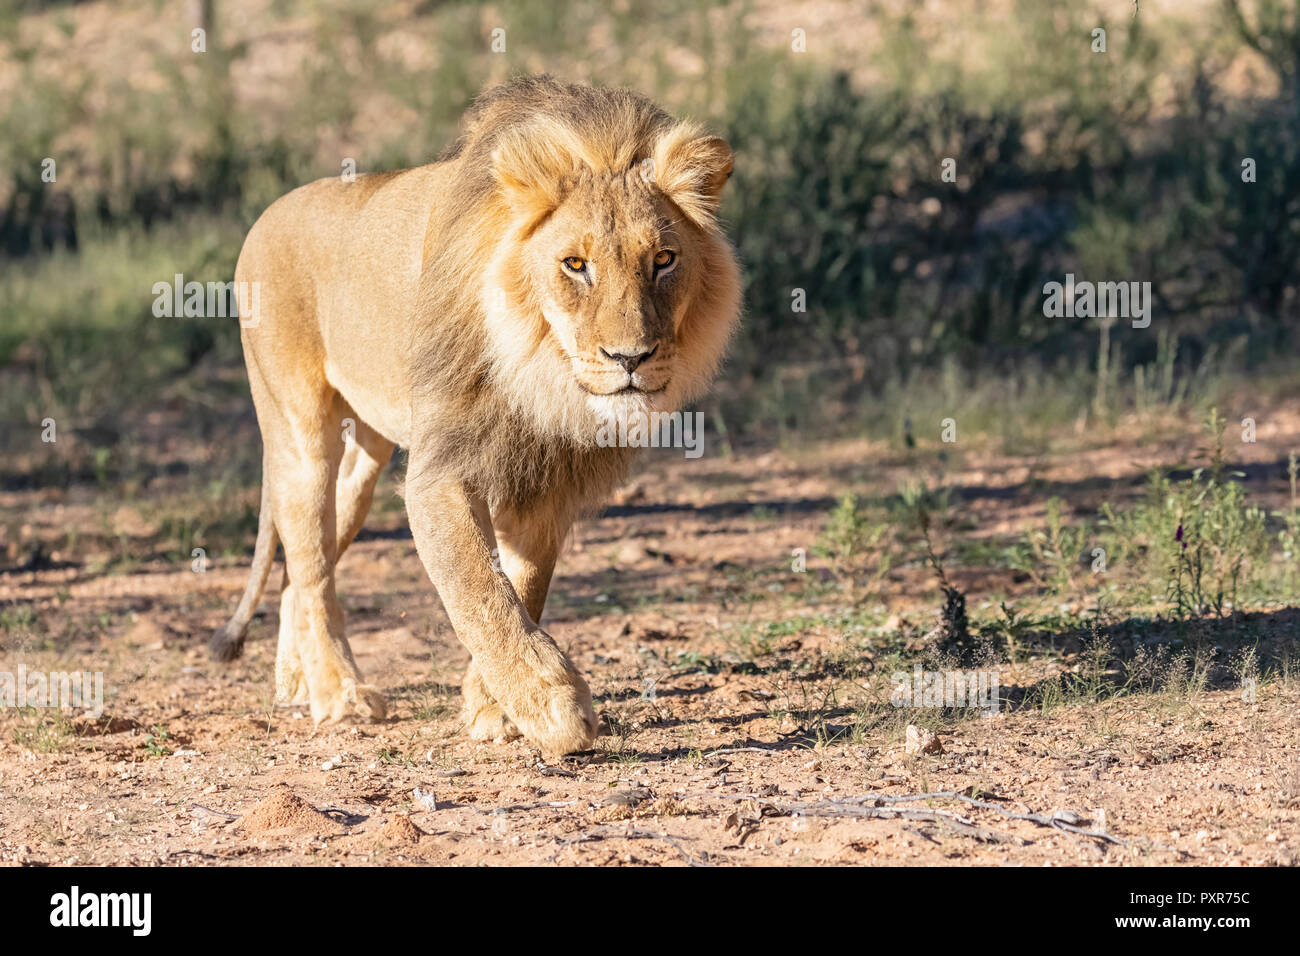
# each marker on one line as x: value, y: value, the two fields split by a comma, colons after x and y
x: 227, y: 642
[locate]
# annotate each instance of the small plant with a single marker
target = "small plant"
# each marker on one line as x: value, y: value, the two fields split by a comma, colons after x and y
x: 1091, y: 683
x: 1148, y: 668
x: 155, y: 742
x: 1289, y: 536
x: 1245, y: 668
x: 1199, y: 537
x: 1189, y: 674
x: 390, y: 757
x: 44, y: 731
x: 1010, y: 628
x: 857, y: 547
x: 925, y: 512
x: 750, y: 642
x: 19, y: 618
x: 687, y: 661
x: 1050, y: 555
x: 619, y: 733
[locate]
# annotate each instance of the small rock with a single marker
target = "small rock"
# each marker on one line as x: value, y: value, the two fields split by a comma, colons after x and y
x: 631, y: 552
x: 147, y: 634
x: 624, y: 798
x: 921, y: 741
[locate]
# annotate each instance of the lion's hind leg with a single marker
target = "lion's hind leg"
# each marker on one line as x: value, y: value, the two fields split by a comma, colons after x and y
x: 302, y: 425
x: 290, y: 681
x: 364, y: 456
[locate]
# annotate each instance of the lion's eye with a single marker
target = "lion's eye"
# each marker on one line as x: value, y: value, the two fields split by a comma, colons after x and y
x: 664, y: 258
x: 574, y: 263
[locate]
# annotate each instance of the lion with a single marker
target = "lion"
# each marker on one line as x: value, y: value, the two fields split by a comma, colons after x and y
x: 559, y: 266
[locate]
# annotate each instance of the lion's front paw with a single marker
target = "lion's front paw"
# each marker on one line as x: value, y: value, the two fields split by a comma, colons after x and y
x: 568, y: 723
x: 349, y: 699
x: 553, y: 709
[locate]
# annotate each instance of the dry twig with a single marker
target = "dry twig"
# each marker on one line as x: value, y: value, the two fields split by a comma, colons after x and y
x: 616, y: 833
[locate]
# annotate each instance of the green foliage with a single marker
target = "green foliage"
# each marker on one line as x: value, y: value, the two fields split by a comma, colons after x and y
x: 1125, y: 166
x: 1289, y: 536
x: 837, y: 189
x: 928, y: 515
x: 156, y: 742
x: 80, y: 341
x: 1052, y: 555
x: 857, y: 547
x: 44, y: 730
x: 1199, y: 537
x: 1190, y: 546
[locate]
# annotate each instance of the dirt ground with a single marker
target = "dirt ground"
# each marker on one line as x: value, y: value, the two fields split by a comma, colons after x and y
x: 712, y: 753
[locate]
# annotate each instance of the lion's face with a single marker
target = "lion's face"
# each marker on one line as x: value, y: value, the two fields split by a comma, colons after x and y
x: 610, y: 290
x: 611, y: 268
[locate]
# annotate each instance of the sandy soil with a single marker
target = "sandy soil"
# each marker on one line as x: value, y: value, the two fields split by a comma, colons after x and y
x: 710, y: 754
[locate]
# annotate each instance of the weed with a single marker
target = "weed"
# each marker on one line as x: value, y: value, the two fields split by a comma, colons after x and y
x: 44, y: 731
x: 155, y: 742
x: 1050, y: 556
x: 1199, y: 537
x: 857, y: 547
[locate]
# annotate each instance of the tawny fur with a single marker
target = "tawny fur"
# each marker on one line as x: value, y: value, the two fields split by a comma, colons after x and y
x: 431, y: 308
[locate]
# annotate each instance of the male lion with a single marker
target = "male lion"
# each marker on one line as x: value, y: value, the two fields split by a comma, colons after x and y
x: 558, y: 267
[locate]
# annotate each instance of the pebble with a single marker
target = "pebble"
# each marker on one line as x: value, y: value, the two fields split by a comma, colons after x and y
x: 920, y: 741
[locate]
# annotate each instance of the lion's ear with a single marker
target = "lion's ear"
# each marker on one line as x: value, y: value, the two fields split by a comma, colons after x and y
x: 691, y: 170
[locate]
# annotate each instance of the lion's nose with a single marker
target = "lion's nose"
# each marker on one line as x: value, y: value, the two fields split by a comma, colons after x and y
x: 628, y: 360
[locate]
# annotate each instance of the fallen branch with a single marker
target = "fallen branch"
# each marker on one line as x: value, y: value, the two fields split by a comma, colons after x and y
x: 1055, y: 821
x: 548, y: 771
x: 876, y: 806
x: 955, y: 821
x: 209, y: 812
x: 615, y: 833
x: 540, y: 805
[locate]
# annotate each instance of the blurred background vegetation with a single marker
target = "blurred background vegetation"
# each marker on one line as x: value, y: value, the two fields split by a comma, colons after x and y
x: 921, y: 295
